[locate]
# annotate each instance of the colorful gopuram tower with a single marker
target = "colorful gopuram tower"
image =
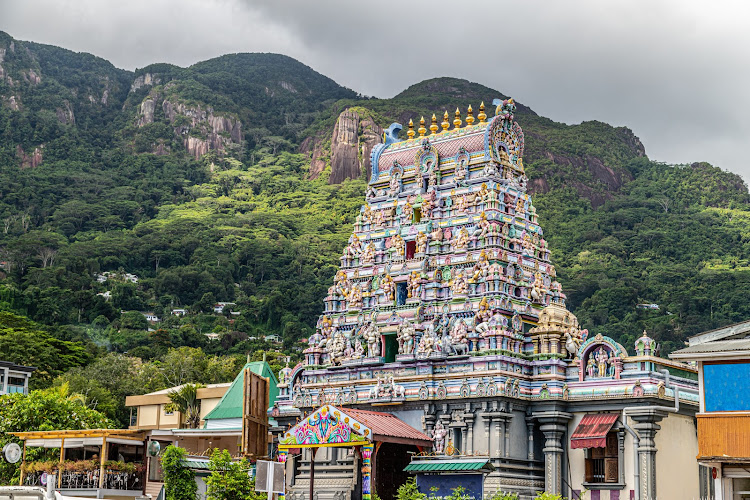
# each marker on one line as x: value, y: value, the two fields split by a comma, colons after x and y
x: 446, y: 321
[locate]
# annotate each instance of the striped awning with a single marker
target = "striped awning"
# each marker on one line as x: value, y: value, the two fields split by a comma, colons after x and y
x: 592, y: 430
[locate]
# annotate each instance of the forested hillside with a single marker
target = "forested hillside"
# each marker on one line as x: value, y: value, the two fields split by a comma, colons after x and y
x: 238, y: 179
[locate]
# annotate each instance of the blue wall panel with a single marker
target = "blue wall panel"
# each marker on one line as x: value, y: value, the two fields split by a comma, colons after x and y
x: 726, y: 387
x: 446, y: 482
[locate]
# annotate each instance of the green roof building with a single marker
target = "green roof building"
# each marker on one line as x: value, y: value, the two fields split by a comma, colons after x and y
x: 228, y: 412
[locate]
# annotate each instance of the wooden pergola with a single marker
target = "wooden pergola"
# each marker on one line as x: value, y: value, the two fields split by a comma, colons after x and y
x: 83, y: 437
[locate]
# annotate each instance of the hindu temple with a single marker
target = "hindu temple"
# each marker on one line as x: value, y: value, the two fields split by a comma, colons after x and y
x: 445, y: 348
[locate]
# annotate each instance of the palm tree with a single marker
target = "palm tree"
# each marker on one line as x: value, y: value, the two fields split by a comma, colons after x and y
x: 185, y: 400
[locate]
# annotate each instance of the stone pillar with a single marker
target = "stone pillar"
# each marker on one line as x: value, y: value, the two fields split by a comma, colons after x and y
x: 469, y: 419
x: 464, y: 446
x: 487, y: 424
x: 499, y: 436
x: 507, y: 438
x: 366, y: 471
x: 530, y: 430
x: 553, y: 424
x: 646, y: 424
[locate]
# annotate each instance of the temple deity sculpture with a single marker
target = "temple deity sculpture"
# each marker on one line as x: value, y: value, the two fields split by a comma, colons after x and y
x: 459, y: 283
x: 371, y: 334
x: 368, y: 254
x: 395, y: 184
x: 461, y: 204
x: 427, y: 344
x: 428, y: 204
x: 407, y: 212
x: 354, y: 248
x: 439, y: 434
x: 389, y: 287
x: 462, y: 240
x: 397, y: 242
x: 482, y: 316
x: 405, y: 335
x: 355, y: 296
x: 460, y: 174
x: 421, y: 242
x: 601, y: 362
x: 414, y: 285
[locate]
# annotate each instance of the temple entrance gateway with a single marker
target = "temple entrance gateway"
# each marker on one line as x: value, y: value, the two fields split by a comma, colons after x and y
x: 370, y: 436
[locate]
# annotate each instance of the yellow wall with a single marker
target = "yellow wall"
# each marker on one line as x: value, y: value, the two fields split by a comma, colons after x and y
x: 676, y: 466
x: 147, y: 415
x: 207, y: 405
x: 169, y: 421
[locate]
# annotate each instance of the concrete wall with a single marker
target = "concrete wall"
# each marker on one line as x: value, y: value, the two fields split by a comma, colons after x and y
x: 147, y: 415
x: 676, y: 466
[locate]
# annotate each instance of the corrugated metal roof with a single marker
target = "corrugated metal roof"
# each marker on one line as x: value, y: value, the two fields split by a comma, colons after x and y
x: 592, y: 430
x: 230, y: 405
x: 450, y: 466
x: 385, y: 425
x: 195, y: 463
x: 718, y: 346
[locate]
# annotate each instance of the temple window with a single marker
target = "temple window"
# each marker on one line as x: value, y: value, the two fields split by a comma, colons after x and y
x: 602, y: 464
x: 411, y: 247
x: 417, y: 215
x: 401, y: 293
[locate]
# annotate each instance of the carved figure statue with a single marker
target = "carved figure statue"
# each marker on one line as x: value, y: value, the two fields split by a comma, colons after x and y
x: 398, y: 243
x: 407, y: 212
x: 421, y: 242
x: 414, y: 285
x: 436, y: 234
x: 395, y: 185
x: 458, y: 341
x: 462, y: 240
x: 336, y: 346
x: 601, y: 362
x: 368, y: 254
x: 427, y: 344
x: 355, y: 296
x: 371, y: 335
x: 379, y: 218
x: 591, y: 365
x: 439, y: 433
x: 405, y: 336
x: 374, y: 392
x: 397, y: 390
x: 461, y: 204
x: 460, y: 171
x: 482, y: 316
x: 354, y: 248
x: 572, y: 344
x: 459, y: 283
x: 428, y: 204
x: 389, y: 287
x: 285, y: 375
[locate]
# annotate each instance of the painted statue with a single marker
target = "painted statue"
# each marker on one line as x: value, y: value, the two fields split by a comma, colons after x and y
x: 601, y: 362
x: 439, y: 434
x: 371, y: 334
x: 368, y: 254
x: 462, y: 240
x: 405, y: 335
x: 398, y: 243
x: 414, y: 285
x: 459, y: 285
x: 421, y: 242
x: 395, y: 185
x: 389, y: 287
x: 355, y: 296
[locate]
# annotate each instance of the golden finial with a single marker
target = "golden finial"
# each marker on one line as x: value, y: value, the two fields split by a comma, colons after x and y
x: 422, y: 131
x: 410, y: 132
x: 482, y: 116
x: 434, y: 126
x: 445, y: 123
x: 457, y: 121
x: 469, y: 116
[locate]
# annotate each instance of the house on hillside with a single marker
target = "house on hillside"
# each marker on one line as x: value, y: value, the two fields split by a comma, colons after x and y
x: 723, y: 358
x: 14, y: 378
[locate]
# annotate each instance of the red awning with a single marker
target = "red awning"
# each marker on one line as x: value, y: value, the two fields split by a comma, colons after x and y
x: 592, y: 430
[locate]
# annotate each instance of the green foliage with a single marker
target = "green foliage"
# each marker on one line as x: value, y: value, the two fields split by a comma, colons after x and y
x: 49, y: 409
x: 409, y: 491
x: 229, y: 479
x: 185, y: 400
x: 503, y: 496
x: 547, y: 496
x: 179, y: 481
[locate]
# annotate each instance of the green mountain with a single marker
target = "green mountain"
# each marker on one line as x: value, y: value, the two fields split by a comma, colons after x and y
x: 237, y: 179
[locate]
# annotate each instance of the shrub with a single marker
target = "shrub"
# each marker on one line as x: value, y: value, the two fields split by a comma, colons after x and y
x: 179, y: 481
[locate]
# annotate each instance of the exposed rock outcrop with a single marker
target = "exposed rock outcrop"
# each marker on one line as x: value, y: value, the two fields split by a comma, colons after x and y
x: 352, y: 136
x: 2, y: 59
x: 144, y: 80
x: 65, y: 115
x: 32, y: 160
x: 14, y: 103
x: 148, y: 106
x: 314, y: 147
x: 32, y: 77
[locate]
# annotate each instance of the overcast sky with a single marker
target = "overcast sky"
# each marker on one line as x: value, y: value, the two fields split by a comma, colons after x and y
x: 676, y: 72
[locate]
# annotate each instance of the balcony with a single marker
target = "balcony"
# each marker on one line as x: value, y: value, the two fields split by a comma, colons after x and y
x: 84, y: 475
x: 723, y: 436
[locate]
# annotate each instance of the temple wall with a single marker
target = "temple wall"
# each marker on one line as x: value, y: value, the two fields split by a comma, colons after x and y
x: 676, y: 466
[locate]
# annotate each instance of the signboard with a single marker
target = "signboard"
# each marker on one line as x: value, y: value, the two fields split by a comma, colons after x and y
x: 254, y: 417
x: 269, y: 476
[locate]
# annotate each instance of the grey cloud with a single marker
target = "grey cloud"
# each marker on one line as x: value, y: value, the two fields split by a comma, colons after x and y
x: 673, y: 71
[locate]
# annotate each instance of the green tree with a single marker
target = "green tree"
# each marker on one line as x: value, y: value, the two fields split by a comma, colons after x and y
x: 185, y: 400
x: 48, y: 409
x: 229, y: 479
x: 179, y: 480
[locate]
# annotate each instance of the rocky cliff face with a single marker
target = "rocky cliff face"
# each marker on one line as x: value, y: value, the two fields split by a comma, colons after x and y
x: 352, y: 141
x: 32, y: 160
x: 201, y: 129
x: 145, y: 80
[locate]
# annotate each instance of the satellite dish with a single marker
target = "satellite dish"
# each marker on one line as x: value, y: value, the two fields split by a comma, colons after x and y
x: 12, y: 452
x: 154, y: 448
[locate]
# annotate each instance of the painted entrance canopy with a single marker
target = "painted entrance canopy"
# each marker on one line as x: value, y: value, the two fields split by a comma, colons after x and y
x: 330, y: 426
x: 592, y: 430
x: 460, y: 465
